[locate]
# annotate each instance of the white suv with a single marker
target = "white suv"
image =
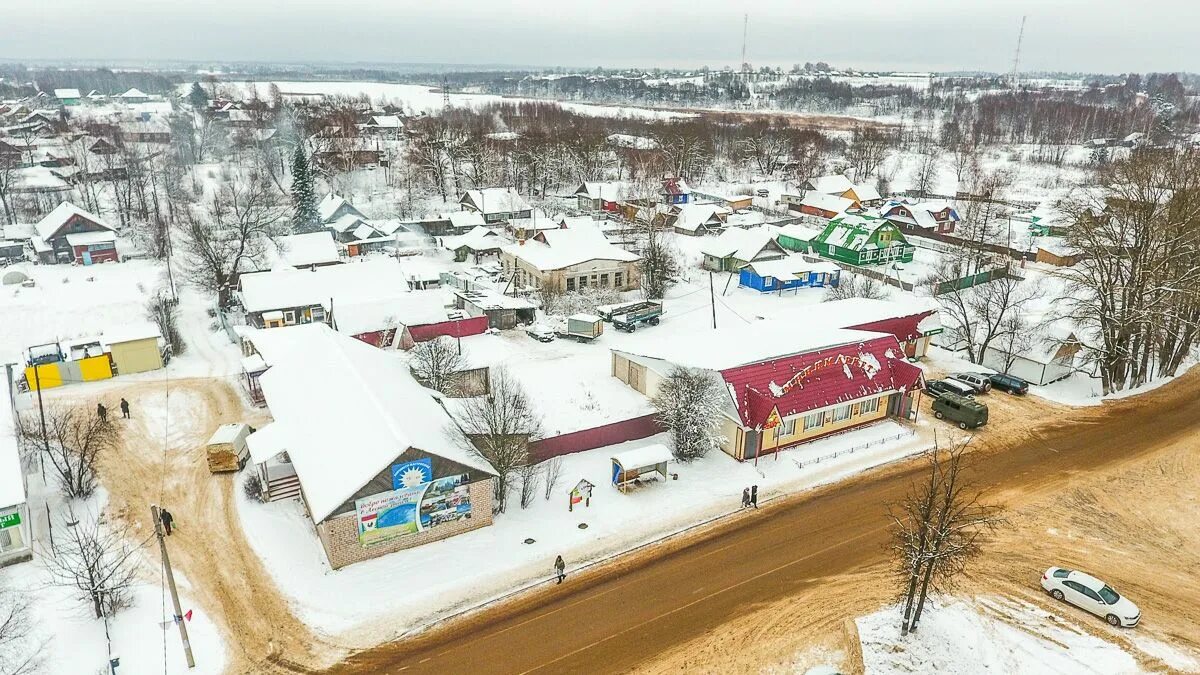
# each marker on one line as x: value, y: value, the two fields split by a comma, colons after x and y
x: 1087, y: 592
x: 977, y: 381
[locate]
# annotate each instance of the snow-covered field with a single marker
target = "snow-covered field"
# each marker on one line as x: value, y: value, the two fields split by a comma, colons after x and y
x: 341, y: 601
x: 418, y: 98
x: 987, y: 635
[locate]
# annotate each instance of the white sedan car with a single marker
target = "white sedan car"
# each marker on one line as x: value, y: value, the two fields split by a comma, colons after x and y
x: 1088, y: 592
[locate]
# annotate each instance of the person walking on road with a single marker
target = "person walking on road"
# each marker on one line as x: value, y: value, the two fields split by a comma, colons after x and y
x: 745, y: 497
x: 560, y: 569
x: 101, y: 412
x: 167, y: 520
x: 124, y: 408
x: 754, y: 496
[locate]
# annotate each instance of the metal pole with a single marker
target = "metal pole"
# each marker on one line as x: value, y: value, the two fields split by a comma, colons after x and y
x: 162, y: 545
x: 712, y: 300
x: 37, y: 378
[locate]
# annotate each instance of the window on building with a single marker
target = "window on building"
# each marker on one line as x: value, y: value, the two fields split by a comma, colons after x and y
x: 583, y: 282
x: 617, y: 280
x: 788, y: 428
x: 814, y: 421
x: 318, y: 313
x: 289, y: 317
x: 570, y: 284
x: 868, y: 406
x: 842, y: 413
x: 604, y: 280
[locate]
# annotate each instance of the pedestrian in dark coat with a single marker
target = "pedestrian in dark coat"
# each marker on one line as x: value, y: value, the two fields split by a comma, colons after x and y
x: 560, y: 569
x: 101, y: 412
x: 124, y: 408
x: 754, y: 496
x: 167, y: 520
x: 745, y: 497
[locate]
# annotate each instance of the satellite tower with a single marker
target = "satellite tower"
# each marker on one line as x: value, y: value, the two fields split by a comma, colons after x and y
x: 445, y: 95
x: 745, y: 31
x: 1013, y: 81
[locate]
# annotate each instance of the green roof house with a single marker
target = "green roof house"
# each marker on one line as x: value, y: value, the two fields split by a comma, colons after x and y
x: 863, y: 240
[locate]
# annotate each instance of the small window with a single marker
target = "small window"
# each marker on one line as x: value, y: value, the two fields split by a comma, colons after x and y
x: 868, y: 406
x: 814, y: 421
x: 570, y: 284
x: 788, y: 428
x: 604, y: 280
x: 842, y: 413
x: 583, y: 282
x: 617, y: 279
x: 318, y: 313
x: 289, y: 317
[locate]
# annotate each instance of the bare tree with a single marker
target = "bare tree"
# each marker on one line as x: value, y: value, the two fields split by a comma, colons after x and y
x: 164, y: 312
x: 529, y: 474
x: 438, y: 364
x: 659, y: 265
x: 230, y: 234
x: 936, y: 530
x: 8, y: 180
x: 868, y: 148
x: 926, y: 176
x: 499, y: 427
x: 73, y: 441
x: 553, y: 470
x: 689, y: 404
x: 19, y: 653
x: 856, y: 286
x: 97, y: 560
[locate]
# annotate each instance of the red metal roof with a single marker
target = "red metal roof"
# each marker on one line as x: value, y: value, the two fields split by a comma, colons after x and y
x: 455, y: 328
x: 903, y: 327
x: 826, y: 377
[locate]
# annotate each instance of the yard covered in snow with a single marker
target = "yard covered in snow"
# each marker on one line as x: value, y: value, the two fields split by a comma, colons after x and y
x: 342, y: 601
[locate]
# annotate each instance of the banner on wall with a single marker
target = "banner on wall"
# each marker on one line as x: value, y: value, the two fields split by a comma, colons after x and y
x: 409, y: 510
x: 412, y: 474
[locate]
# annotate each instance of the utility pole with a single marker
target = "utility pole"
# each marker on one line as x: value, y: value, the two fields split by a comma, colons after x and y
x: 712, y: 299
x: 166, y: 559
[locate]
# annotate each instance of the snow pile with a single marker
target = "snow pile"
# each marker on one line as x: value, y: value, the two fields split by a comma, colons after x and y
x: 989, y: 635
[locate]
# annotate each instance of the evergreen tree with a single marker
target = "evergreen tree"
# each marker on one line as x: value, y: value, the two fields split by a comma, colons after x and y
x: 197, y: 97
x: 304, y: 196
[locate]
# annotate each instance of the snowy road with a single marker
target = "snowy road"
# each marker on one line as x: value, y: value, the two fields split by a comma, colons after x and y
x: 824, y: 551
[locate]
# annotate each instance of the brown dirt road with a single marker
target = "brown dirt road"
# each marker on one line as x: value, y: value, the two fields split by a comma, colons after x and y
x: 215, y: 566
x: 752, y: 591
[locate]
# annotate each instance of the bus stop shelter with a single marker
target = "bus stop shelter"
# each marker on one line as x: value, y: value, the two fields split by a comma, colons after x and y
x: 640, y: 464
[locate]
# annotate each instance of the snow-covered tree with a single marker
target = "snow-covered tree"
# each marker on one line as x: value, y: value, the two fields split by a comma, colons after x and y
x: 659, y: 265
x: 689, y: 406
x: 856, y: 286
x: 98, y: 560
x: 197, y: 97
x: 438, y: 364
x: 304, y: 194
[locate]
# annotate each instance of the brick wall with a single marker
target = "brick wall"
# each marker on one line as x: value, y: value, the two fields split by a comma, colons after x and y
x: 339, y: 534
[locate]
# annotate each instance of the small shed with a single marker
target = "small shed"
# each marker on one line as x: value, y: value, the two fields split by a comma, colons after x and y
x: 635, y: 466
x: 788, y: 273
x: 134, y: 348
x: 227, y: 449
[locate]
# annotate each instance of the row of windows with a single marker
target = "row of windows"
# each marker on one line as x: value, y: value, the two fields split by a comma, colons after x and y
x: 840, y: 414
x: 596, y: 281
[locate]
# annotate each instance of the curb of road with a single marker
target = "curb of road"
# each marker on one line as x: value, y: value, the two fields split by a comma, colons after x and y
x: 423, y: 626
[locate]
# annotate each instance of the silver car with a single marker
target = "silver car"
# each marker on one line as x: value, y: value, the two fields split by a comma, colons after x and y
x: 976, y: 381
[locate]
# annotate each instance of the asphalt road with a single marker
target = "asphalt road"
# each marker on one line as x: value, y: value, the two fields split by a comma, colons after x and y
x: 628, y: 612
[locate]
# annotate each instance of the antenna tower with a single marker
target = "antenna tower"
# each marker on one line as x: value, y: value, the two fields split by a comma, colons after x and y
x: 445, y: 95
x: 1013, y: 81
x: 745, y: 30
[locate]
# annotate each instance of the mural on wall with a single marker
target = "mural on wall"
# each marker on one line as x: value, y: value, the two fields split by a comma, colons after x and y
x: 408, y: 510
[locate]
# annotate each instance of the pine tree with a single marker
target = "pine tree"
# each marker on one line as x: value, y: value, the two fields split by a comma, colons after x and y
x: 304, y: 194
x: 197, y: 97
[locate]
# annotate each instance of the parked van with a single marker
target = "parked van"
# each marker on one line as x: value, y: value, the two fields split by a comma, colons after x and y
x: 227, y: 449
x: 968, y: 413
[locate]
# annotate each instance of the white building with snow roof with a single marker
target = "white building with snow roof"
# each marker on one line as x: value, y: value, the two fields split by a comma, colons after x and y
x: 378, y: 462
x: 571, y: 259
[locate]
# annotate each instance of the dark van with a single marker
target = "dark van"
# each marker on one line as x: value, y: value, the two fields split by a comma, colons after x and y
x: 968, y: 413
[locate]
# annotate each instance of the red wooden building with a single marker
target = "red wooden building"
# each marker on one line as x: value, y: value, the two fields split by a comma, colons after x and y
x: 69, y: 234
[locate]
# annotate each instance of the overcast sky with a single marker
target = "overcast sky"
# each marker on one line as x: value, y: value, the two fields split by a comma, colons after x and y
x: 1070, y: 35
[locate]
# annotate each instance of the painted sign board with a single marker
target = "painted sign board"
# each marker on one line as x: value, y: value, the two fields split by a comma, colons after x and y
x: 10, y: 520
x: 409, y: 510
x: 411, y: 474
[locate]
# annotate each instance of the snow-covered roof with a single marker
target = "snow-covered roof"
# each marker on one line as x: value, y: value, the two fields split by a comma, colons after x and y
x: 850, y: 231
x: 386, y: 122
x: 478, y: 239
x: 461, y: 220
x: 609, y: 191
x: 12, y: 478
x: 859, y: 311
x: 130, y: 331
x: 50, y: 224
x: 321, y: 380
x: 66, y: 93
x: 738, y: 243
x: 799, y: 231
x: 347, y: 222
x: 866, y: 192
x: 133, y: 92
x: 302, y: 250
x: 789, y: 268
x: 557, y: 249
x: 745, y: 344
x: 690, y: 217
x: 835, y: 184
x: 281, y: 289
x: 267, y: 442
x: 826, y: 202
x: 487, y: 299
x: 356, y: 317
x: 921, y: 213
x: 537, y: 222
x: 86, y: 238
x: 495, y: 200
x: 330, y: 205
x: 638, y: 458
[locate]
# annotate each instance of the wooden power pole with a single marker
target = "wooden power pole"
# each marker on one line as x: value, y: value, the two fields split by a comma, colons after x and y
x: 166, y: 559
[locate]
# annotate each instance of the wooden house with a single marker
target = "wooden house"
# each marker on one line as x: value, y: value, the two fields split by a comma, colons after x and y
x: 789, y: 273
x: 735, y: 248
x: 496, y: 205
x: 927, y: 216
x: 69, y: 234
x: 863, y: 240
x: 570, y: 259
x: 601, y: 196
x: 676, y: 191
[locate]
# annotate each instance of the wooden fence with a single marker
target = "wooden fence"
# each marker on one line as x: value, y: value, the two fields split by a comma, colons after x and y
x: 596, y: 437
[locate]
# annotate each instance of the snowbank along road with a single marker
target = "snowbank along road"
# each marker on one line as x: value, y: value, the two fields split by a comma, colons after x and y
x: 803, y: 566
